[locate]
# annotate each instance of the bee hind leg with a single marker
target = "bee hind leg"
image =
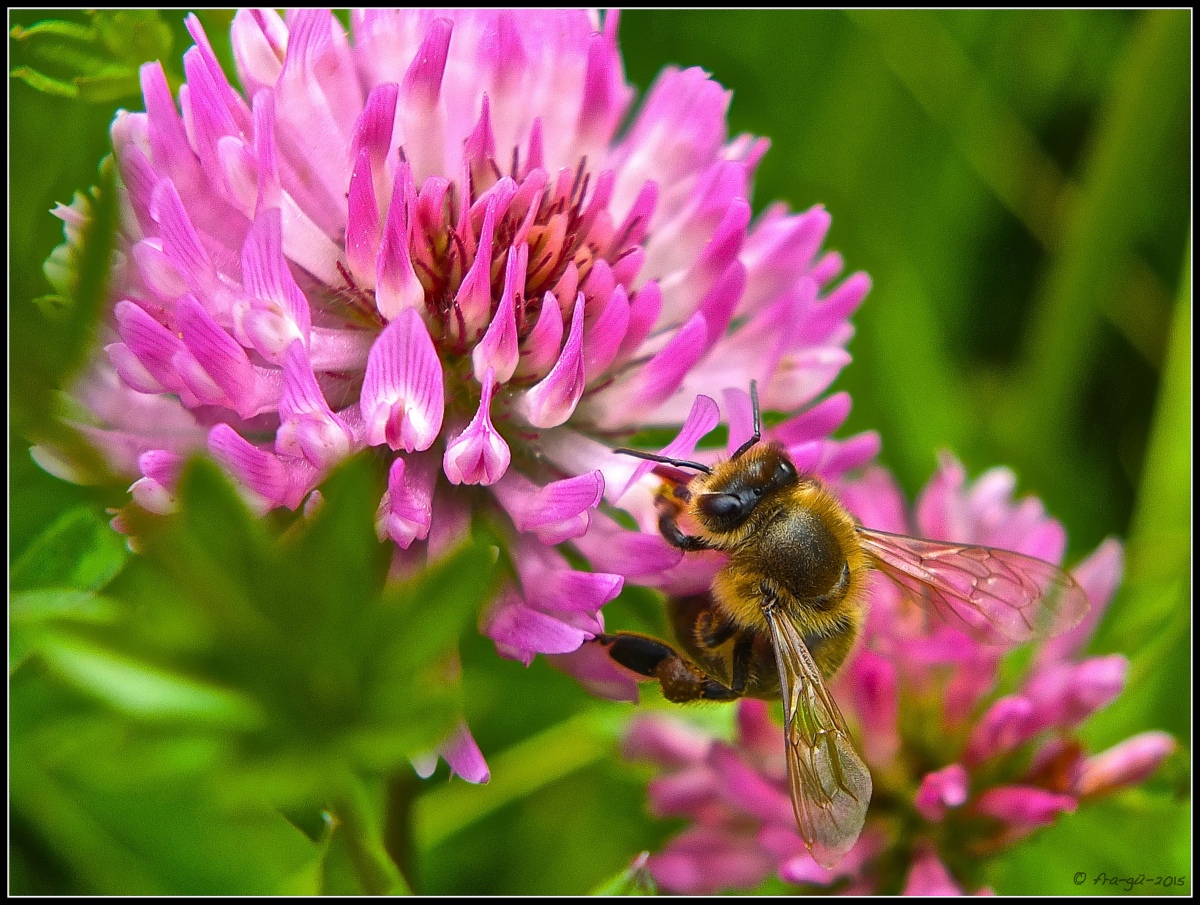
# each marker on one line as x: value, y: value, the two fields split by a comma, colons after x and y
x: 681, y: 680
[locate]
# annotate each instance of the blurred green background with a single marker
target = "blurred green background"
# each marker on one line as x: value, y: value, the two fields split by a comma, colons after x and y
x: 1018, y: 186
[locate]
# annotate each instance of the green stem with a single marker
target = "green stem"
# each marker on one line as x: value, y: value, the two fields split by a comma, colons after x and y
x: 363, y: 836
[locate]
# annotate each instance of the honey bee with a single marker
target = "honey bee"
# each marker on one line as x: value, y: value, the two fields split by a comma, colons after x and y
x: 786, y: 608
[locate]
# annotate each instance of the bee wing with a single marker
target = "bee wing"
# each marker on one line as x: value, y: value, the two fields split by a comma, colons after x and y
x: 994, y: 595
x: 830, y: 784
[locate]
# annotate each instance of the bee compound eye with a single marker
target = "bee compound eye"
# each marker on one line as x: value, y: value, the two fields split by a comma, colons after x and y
x: 785, y: 472
x: 722, y: 508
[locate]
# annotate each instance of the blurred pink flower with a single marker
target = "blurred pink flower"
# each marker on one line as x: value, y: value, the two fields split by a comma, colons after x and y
x: 446, y: 237
x: 994, y: 766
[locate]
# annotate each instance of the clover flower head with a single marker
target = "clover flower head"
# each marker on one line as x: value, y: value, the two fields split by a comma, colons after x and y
x: 448, y: 237
x: 967, y: 765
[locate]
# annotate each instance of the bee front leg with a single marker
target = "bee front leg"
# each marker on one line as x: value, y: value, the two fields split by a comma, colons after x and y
x: 681, y: 680
x: 672, y: 534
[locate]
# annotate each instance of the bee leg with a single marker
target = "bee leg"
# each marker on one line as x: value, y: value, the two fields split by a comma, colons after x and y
x: 681, y: 680
x: 712, y: 631
x: 676, y: 538
x: 742, y: 652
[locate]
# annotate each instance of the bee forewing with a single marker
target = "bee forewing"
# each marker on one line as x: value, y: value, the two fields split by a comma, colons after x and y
x: 994, y: 595
x: 830, y: 784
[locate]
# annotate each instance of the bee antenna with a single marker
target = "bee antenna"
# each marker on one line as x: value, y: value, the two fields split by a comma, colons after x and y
x: 757, y: 435
x: 666, y: 460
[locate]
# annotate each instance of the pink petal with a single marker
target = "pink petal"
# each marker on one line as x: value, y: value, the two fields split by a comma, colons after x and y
x: 155, y: 491
x: 1024, y: 807
x: 463, y: 755
x: 745, y: 789
x: 402, y: 395
x: 270, y: 481
x: 474, y: 298
x: 398, y: 288
x: 277, y: 313
x: 941, y: 790
x: 551, y: 401
x: 873, y: 685
x: 664, y: 741
x: 929, y: 876
x: 555, y: 512
x: 611, y: 548
x: 1006, y: 725
x: 703, y: 417
x: 1125, y: 764
x: 308, y: 428
x: 479, y: 454
x: 598, y: 673
x: 406, y: 510
x: 521, y: 632
x: 1099, y: 575
x: 498, y: 348
x: 540, y: 349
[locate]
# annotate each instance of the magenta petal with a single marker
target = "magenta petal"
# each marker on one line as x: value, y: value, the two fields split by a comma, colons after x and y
x: 1064, y: 695
x: 308, y: 428
x: 814, y: 423
x: 541, y: 347
x: 498, y: 348
x: 703, y: 417
x: 402, y: 396
x: 929, y: 876
x: 397, y: 286
x: 704, y: 859
x: 1099, y: 575
x: 1025, y: 807
x: 463, y: 755
x: 479, y: 454
x: 551, y: 401
x: 745, y: 789
x: 521, y: 632
x: 364, y: 227
x: 1125, y: 764
x: 1007, y: 724
x: 155, y: 490
x: 221, y: 356
x: 277, y: 313
x: 270, y: 481
x: 662, y: 374
x: 940, y: 790
x: 644, y: 309
x: 598, y: 673
x: 406, y: 510
x: 556, y: 512
x: 474, y: 298
x: 603, y: 339
x: 152, y: 345
x: 611, y: 548
x: 664, y: 741
x: 181, y: 242
x: 873, y: 685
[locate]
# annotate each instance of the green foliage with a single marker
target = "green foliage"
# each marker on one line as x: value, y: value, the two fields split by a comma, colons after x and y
x: 231, y: 711
x: 255, y: 670
x: 97, y: 62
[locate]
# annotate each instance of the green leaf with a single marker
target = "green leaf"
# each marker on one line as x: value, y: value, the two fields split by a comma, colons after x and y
x: 77, y: 551
x: 39, y: 81
x: 1073, y: 856
x: 518, y: 771
x: 145, y: 692
x: 97, y: 64
x: 635, y: 880
x: 33, y: 615
x: 134, y: 36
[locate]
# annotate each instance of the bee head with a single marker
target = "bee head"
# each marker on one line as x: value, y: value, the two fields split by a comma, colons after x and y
x: 736, y: 487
